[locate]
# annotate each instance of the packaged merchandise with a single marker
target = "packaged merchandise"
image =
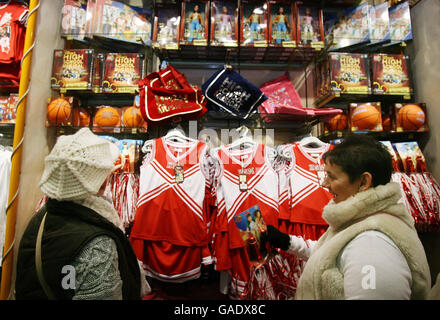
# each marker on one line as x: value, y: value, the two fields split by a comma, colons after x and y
x: 390, y: 74
x: 73, y: 19
x: 98, y: 72
x: 253, y: 20
x: 4, y: 102
x: 379, y: 23
x: 365, y: 116
x: 410, y: 117
x: 339, y: 122
x: 224, y: 23
x: 349, y: 73
x: 194, y: 23
x: 282, y: 25
x: 107, y: 119
x: 65, y: 111
x: 123, y: 72
x: 310, y: 30
x: 400, y: 22
x: 411, y: 157
x: 72, y: 69
x: 11, y: 114
x: 166, y: 32
x: 119, y: 21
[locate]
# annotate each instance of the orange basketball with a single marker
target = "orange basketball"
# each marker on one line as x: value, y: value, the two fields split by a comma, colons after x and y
x: 132, y: 117
x: 107, y: 117
x: 411, y: 117
x: 365, y: 117
x: 386, y: 122
x: 81, y: 118
x: 58, y: 111
x: 338, y: 122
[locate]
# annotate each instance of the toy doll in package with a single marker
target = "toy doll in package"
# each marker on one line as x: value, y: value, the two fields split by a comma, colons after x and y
x: 194, y: 23
x: 400, y: 22
x: 379, y: 23
x: 281, y: 25
x: 224, y: 23
x: 73, y: 20
x: 166, y: 27
x: 310, y: 29
x: 254, y: 23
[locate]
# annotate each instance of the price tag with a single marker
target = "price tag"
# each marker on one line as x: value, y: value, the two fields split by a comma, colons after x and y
x: 116, y: 130
x: 179, y: 174
x: 134, y: 130
x: 407, y: 97
x: 243, y: 182
x: 289, y: 44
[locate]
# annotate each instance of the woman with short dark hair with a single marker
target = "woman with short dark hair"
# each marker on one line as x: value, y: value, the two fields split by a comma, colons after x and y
x: 371, y: 249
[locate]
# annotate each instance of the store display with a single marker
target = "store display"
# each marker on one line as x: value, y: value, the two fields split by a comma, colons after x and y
x: 282, y: 29
x: 116, y: 20
x: 81, y: 117
x: 253, y: 23
x: 8, y: 105
x: 352, y: 28
x: 73, y: 19
x: 98, y: 71
x: 166, y: 32
x: 400, y: 22
x: 107, y: 116
x: 123, y: 72
x: 72, y: 69
x: 411, y: 117
x: 227, y: 91
x: 224, y: 23
x: 337, y: 123
x: 166, y: 96
x: 59, y: 111
x: 310, y: 30
x: 132, y: 117
x: 390, y: 74
x: 349, y: 73
x: 379, y: 23
x: 5, y: 172
x: 366, y: 116
x: 194, y: 23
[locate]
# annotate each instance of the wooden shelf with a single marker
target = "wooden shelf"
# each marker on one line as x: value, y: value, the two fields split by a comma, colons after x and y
x: 343, y: 99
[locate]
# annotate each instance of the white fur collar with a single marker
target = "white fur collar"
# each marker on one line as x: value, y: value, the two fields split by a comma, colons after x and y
x: 102, y: 206
x: 381, y: 199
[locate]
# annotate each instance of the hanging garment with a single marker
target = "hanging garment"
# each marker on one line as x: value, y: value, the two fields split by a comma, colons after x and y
x: 5, y: 172
x: 170, y: 228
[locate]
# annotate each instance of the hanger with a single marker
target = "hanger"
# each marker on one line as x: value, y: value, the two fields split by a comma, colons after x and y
x: 283, y: 152
x: 312, y: 142
x: 177, y: 135
x: 243, y: 139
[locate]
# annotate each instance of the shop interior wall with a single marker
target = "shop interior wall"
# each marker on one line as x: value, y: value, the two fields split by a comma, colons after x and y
x: 424, y: 53
x: 37, y: 139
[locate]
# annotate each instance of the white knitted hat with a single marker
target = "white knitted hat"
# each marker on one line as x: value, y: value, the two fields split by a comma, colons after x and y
x: 78, y: 165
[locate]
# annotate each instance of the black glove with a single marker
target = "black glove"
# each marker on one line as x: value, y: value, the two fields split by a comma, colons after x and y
x: 277, y: 238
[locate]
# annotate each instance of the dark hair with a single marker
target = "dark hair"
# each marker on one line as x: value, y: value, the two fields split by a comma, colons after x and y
x: 360, y: 153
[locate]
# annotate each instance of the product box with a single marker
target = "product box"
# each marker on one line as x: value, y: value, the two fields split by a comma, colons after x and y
x: 224, y: 23
x: 352, y: 28
x: 132, y: 118
x: 73, y: 19
x: 400, y: 22
x: 310, y: 29
x: 65, y: 111
x: 91, y: 19
x: 98, y: 71
x: 339, y: 122
x: 253, y: 23
x: 393, y: 154
x: 72, y: 69
x: 410, y: 117
x: 11, y: 114
x: 166, y: 31
x: 118, y: 21
x: 331, y: 20
x: 365, y: 116
x: 122, y: 72
x: 107, y: 119
x: 130, y: 154
x: 412, y: 159
x: 194, y: 23
x: 388, y: 119
x: 349, y: 73
x: 4, y: 106
x: 390, y: 75
x: 282, y: 25
x: 379, y: 23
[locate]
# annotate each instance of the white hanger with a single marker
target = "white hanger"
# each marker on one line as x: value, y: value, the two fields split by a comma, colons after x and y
x: 312, y: 142
x: 177, y: 135
x: 284, y: 153
x: 243, y: 140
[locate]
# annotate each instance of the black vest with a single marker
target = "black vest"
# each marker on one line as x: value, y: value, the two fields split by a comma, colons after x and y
x: 68, y: 228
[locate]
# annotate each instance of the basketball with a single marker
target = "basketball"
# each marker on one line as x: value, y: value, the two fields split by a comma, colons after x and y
x: 132, y: 117
x: 411, y: 117
x: 58, y: 111
x: 386, y: 122
x: 338, y: 122
x: 107, y: 117
x: 365, y: 117
x: 81, y: 118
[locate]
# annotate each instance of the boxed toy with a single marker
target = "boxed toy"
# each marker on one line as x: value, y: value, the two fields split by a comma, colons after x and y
x: 379, y: 23
x: 194, y: 23
x: 73, y: 19
x: 166, y: 26
x: 224, y: 23
x: 410, y: 117
x: 339, y: 122
x: 4, y: 106
x: 253, y: 23
x: 98, y: 71
x: 132, y: 118
x: 411, y: 156
x: 62, y: 111
x: 400, y: 22
x: 349, y: 73
x: 282, y: 26
x: 365, y: 116
x: 393, y: 154
x: 122, y: 72
x: 310, y: 30
x: 72, y: 69
x: 118, y: 21
x: 390, y: 74
x: 107, y: 119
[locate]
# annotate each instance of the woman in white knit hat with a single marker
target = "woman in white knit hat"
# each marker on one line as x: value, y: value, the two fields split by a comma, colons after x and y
x: 74, y: 247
